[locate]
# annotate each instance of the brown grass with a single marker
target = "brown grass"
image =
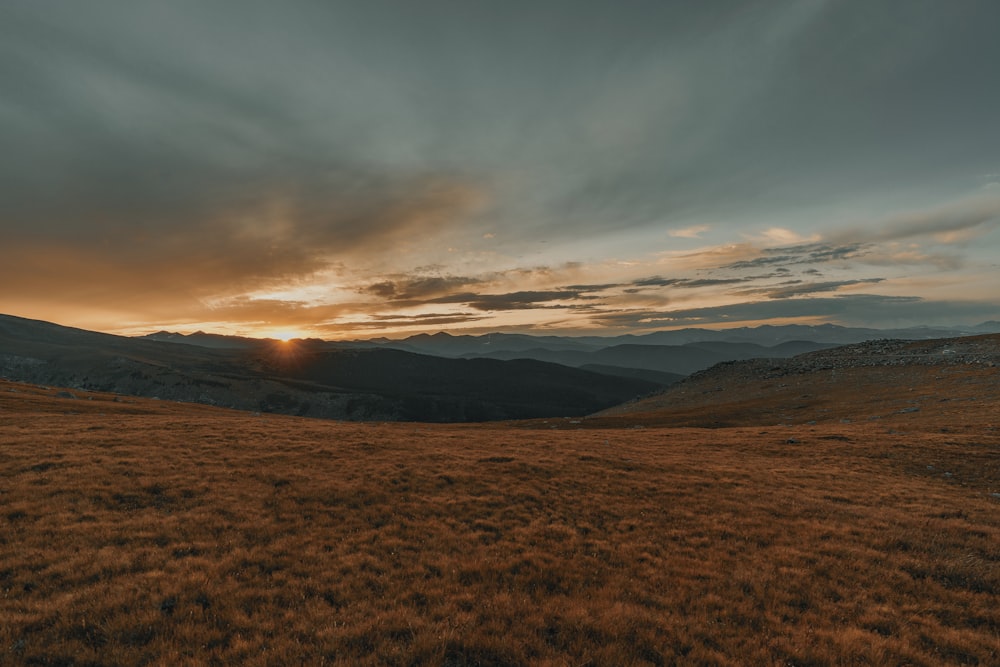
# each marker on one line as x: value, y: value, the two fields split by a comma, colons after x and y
x: 904, y: 397
x: 146, y: 532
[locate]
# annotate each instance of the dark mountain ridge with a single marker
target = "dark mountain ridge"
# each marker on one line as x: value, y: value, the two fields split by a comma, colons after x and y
x: 305, y: 377
x: 677, y: 352
x: 766, y: 335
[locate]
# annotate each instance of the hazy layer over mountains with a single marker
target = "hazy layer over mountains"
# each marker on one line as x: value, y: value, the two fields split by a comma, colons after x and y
x: 663, y: 356
x: 436, y: 377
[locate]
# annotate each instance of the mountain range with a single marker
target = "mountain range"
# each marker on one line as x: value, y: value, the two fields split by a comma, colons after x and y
x: 663, y: 357
x: 449, y: 345
x: 437, y: 377
x: 306, y: 377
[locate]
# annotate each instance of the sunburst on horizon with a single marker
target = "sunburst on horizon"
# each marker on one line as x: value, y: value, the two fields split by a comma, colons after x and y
x: 285, y: 335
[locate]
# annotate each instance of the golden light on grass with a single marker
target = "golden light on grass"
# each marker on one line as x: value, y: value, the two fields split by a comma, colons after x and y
x: 146, y: 532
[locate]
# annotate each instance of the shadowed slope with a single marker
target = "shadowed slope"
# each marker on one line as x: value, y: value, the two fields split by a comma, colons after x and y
x: 954, y: 381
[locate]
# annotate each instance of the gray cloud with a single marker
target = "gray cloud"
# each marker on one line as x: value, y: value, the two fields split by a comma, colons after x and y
x: 795, y: 288
x: 523, y: 300
x: 980, y: 213
x: 780, y: 258
x: 593, y: 288
x: 759, y: 262
x: 852, y: 310
x: 415, y: 289
x: 691, y: 283
x: 570, y: 125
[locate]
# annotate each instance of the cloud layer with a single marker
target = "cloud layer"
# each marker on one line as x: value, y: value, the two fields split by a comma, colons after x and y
x: 586, y: 166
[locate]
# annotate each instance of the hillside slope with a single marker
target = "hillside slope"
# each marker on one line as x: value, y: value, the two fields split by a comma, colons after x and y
x: 899, y: 382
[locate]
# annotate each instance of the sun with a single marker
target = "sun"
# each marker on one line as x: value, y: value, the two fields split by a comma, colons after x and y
x: 285, y: 335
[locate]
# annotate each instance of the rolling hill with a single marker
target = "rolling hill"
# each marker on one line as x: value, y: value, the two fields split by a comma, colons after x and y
x: 895, y: 382
x: 676, y: 353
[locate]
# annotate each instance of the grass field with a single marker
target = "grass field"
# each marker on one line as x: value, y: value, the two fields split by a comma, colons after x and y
x: 146, y: 532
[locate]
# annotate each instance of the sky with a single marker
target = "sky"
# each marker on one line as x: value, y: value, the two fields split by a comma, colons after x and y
x: 383, y: 168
